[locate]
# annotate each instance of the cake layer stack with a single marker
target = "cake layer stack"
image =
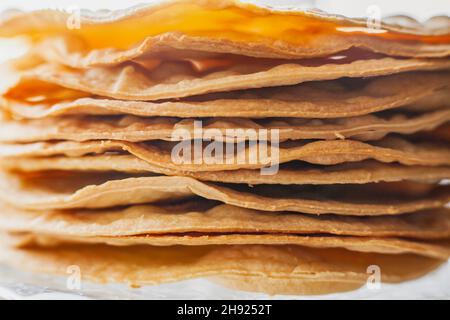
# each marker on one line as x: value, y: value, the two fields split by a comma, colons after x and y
x: 285, y: 152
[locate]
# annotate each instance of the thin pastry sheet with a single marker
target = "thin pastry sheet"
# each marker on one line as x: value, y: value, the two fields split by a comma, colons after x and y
x: 134, y: 129
x: 218, y: 27
x: 433, y: 249
x: 132, y: 81
x: 290, y: 173
x: 278, y: 269
x: 249, y: 156
x: 210, y: 218
x: 421, y: 91
x: 67, y: 190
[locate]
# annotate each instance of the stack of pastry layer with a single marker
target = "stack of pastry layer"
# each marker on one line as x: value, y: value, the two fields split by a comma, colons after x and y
x: 361, y: 113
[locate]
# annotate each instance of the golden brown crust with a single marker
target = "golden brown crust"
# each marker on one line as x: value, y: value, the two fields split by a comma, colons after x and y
x: 159, y: 154
x: 203, y: 217
x: 75, y: 190
x: 286, y: 266
x: 172, y: 80
x: 134, y: 129
x: 432, y: 249
x: 422, y: 91
x: 77, y: 48
x: 291, y: 173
